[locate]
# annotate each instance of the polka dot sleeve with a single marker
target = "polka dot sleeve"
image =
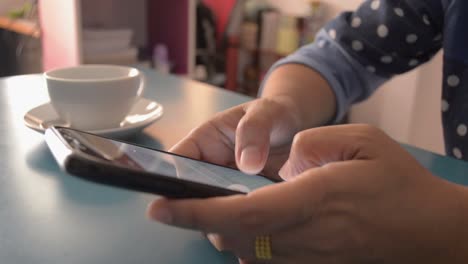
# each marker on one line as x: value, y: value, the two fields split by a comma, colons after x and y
x: 350, y: 81
x: 358, y: 51
x: 390, y: 37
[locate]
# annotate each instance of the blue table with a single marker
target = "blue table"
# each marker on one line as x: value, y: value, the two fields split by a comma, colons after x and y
x: 48, y: 217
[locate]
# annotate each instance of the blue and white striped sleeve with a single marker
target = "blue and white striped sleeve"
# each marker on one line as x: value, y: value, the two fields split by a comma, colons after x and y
x: 358, y: 51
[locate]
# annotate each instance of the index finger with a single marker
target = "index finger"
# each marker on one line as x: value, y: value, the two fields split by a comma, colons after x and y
x: 187, y: 147
x: 213, y: 141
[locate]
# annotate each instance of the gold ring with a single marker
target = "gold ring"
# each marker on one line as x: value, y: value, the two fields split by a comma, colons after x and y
x: 263, y: 247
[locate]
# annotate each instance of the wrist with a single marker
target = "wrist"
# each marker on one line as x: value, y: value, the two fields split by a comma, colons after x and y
x: 291, y: 110
x: 308, y: 93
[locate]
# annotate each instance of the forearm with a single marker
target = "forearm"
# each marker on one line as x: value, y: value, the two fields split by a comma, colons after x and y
x: 305, y: 91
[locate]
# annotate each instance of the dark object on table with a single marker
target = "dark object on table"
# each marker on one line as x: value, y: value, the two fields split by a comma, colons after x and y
x: 8, y: 62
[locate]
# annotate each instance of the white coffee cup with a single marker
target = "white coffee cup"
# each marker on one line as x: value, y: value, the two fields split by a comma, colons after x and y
x: 93, y: 97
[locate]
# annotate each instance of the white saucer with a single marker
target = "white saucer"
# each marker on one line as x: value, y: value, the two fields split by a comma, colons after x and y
x: 142, y: 114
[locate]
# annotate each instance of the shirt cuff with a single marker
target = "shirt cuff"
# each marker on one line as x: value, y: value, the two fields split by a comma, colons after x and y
x: 350, y: 81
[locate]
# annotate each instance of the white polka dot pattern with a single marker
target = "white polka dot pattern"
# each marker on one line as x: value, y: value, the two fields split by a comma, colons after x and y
x: 461, y: 130
x: 332, y: 33
x: 413, y: 62
x: 457, y: 153
x: 382, y: 31
x: 426, y: 20
x: 411, y: 38
x: 386, y: 59
x: 357, y: 45
x: 321, y: 43
x: 445, y: 106
x: 399, y: 12
x: 453, y: 81
x: 371, y: 69
x: 389, y: 37
x: 356, y: 22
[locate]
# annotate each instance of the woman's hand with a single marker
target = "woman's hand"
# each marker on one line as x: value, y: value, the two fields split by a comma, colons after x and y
x: 253, y: 137
x: 256, y: 136
x: 353, y: 195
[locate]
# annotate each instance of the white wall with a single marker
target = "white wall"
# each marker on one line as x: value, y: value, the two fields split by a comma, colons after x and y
x: 61, y: 33
x: 408, y: 106
x: 426, y: 128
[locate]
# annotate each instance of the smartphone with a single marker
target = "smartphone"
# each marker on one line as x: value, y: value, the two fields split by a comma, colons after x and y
x: 125, y: 165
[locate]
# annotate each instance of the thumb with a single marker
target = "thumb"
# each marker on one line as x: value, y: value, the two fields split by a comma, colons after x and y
x: 255, y: 213
x: 319, y: 146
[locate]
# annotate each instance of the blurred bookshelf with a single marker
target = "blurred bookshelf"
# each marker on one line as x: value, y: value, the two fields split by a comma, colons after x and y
x: 20, y: 38
x: 256, y: 36
x: 118, y: 32
x: 25, y: 27
x: 229, y: 43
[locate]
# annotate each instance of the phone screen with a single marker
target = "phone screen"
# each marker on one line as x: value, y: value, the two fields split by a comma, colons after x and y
x: 153, y: 161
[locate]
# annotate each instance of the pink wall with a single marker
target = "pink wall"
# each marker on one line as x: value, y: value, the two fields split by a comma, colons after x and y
x: 61, y: 33
x: 170, y: 25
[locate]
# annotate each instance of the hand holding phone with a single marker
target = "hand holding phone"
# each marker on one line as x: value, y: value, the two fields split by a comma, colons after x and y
x: 120, y: 164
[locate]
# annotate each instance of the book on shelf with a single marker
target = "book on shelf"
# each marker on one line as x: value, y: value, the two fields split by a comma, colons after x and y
x: 122, y: 57
x: 124, y: 34
x: 110, y: 46
x: 269, y: 30
x: 267, y: 37
x: 92, y: 47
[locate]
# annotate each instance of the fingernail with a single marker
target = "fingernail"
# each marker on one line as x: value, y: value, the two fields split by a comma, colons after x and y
x: 214, y: 241
x: 162, y: 215
x: 251, y: 159
x: 284, y: 171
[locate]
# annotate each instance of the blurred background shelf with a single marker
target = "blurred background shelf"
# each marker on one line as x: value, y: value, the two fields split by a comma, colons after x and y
x: 139, y: 25
x: 209, y: 40
x: 21, y: 26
